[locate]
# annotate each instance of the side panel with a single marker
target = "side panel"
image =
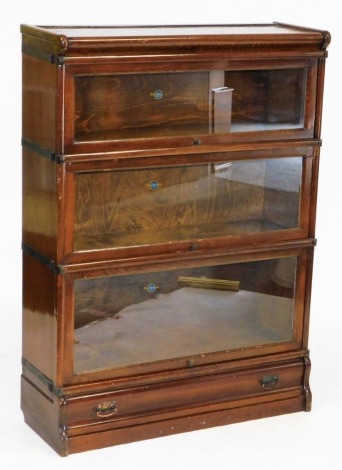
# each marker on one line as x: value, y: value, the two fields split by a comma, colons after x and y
x: 44, y: 416
x: 39, y: 324
x: 39, y: 102
x: 39, y: 203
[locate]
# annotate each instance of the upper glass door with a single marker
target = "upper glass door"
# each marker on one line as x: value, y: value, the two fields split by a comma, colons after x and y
x: 126, y: 106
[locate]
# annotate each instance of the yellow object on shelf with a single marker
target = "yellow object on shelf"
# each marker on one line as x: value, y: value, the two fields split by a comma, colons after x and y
x: 205, y: 283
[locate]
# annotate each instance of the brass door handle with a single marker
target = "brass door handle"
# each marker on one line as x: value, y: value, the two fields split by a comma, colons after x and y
x: 269, y: 382
x: 105, y: 409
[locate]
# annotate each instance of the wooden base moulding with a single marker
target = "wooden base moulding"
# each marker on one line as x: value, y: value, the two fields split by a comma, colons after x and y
x: 75, y: 423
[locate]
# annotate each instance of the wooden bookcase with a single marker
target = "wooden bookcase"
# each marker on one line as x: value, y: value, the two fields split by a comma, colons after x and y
x: 169, y: 196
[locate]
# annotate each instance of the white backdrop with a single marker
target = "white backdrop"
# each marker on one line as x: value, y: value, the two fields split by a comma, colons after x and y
x: 293, y: 440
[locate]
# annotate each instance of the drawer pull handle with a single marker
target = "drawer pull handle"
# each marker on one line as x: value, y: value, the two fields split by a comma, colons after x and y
x: 105, y: 409
x: 269, y: 382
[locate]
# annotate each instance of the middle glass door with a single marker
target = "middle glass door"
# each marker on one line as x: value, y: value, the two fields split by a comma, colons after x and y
x: 158, y: 205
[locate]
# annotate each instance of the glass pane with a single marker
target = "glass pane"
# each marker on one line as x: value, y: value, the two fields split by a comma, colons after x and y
x: 268, y: 99
x: 140, y: 318
x: 130, y: 106
x: 159, y: 205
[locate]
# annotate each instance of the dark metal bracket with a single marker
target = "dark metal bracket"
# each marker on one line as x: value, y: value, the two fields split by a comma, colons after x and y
x: 55, y: 268
x: 41, y: 377
x: 46, y: 56
x: 43, y: 152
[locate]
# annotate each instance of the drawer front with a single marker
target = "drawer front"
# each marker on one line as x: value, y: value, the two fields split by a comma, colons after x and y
x: 187, y: 394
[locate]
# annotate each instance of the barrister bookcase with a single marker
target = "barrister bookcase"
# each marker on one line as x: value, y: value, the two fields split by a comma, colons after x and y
x: 169, y: 196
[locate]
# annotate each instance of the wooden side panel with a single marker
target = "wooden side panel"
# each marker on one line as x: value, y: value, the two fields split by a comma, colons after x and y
x: 39, y: 203
x: 43, y: 416
x: 314, y: 194
x: 319, y: 100
x: 39, y: 101
x: 39, y: 337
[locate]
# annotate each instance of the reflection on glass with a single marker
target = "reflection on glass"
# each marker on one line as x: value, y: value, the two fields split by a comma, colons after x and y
x: 127, y: 106
x: 159, y: 205
x: 141, y: 318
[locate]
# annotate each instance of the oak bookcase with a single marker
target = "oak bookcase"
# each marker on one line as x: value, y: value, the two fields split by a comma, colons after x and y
x: 169, y: 196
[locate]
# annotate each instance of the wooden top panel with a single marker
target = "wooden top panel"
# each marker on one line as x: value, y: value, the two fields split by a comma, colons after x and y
x: 163, y: 31
x: 71, y: 40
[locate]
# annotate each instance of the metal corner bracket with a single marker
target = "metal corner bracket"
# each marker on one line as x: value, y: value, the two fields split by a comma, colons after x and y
x: 55, y: 268
x: 42, y: 378
x: 43, y: 152
x: 42, y: 55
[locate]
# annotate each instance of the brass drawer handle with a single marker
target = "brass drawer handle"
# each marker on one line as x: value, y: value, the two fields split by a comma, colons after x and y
x: 105, y: 409
x: 269, y: 382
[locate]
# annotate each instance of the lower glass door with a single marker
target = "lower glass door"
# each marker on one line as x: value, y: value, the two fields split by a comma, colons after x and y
x: 146, y: 317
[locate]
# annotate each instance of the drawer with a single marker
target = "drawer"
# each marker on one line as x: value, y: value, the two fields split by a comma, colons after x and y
x: 184, y: 394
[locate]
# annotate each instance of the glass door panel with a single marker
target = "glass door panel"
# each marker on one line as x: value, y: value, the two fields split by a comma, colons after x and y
x: 268, y: 99
x: 147, y: 317
x: 129, y: 106
x: 126, y: 208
